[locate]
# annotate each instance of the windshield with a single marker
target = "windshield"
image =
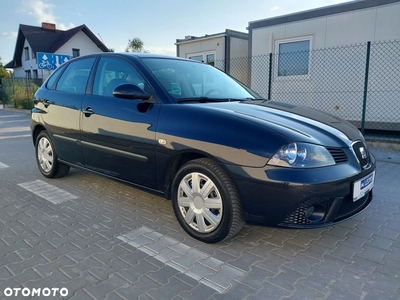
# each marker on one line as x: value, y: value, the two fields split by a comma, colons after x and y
x: 186, y: 80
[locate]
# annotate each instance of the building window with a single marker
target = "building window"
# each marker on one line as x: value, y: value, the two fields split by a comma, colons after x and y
x: 293, y: 57
x: 205, y: 57
x: 28, y: 74
x: 26, y: 50
x: 35, y: 74
x: 210, y: 59
x: 33, y: 54
x: 197, y: 58
x: 76, y: 52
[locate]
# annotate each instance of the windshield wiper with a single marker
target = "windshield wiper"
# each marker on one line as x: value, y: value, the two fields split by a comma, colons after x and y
x: 207, y: 99
x: 256, y: 99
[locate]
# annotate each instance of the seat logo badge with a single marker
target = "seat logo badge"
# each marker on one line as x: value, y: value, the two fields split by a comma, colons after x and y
x: 363, y: 153
x: 162, y: 141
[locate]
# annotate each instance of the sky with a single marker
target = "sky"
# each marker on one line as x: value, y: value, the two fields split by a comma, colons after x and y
x: 158, y: 23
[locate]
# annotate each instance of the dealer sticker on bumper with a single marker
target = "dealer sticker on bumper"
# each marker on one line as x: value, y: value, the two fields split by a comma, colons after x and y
x: 363, y: 186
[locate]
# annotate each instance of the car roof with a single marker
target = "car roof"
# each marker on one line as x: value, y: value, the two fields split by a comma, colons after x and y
x: 136, y: 55
x: 140, y: 55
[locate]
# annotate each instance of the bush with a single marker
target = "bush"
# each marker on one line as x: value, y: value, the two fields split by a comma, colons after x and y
x: 20, y: 94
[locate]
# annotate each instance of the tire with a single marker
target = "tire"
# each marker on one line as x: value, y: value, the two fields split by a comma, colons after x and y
x: 47, y: 159
x: 206, y: 202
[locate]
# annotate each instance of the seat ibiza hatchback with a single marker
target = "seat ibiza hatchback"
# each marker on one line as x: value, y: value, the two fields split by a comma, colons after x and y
x: 217, y: 149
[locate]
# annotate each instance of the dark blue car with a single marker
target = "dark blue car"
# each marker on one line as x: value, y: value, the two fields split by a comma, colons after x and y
x: 185, y: 129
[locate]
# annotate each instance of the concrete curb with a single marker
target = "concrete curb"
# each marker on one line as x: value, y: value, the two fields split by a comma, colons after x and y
x: 24, y: 111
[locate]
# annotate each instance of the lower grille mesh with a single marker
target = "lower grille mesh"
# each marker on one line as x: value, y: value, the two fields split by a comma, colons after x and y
x: 347, y: 209
x: 297, y: 216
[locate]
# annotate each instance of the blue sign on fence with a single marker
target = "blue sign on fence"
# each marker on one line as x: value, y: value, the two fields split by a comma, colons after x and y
x: 51, y: 61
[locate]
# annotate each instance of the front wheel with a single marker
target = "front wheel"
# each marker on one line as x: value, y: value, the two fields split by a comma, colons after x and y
x: 47, y: 159
x: 206, y: 202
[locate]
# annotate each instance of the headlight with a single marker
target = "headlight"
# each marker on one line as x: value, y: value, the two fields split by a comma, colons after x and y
x: 302, y: 155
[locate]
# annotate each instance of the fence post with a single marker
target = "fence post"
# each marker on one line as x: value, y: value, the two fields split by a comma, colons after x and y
x: 269, y: 76
x: 365, y: 87
x: 27, y: 90
x: 15, y: 99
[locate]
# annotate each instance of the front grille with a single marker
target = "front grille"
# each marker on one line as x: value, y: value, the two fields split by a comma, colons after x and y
x: 338, y: 155
x: 297, y: 216
x: 349, y: 208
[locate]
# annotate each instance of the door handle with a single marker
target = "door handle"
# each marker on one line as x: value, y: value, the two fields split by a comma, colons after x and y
x: 88, y: 111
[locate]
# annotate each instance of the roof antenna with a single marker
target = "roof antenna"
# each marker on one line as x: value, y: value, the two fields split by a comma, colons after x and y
x: 100, y: 38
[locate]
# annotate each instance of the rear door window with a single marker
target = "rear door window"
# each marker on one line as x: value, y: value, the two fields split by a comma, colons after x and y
x: 76, y: 76
x: 51, y: 82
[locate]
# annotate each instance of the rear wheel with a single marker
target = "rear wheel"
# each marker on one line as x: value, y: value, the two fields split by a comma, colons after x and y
x: 47, y: 159
x: 206, y: 202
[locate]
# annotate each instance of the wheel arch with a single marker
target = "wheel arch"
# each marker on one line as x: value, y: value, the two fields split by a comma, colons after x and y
x: 176, y: 163
x: 227, y: 218
x: 38, y: 129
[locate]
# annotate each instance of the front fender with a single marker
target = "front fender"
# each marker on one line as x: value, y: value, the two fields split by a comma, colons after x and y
x: 223, y: 135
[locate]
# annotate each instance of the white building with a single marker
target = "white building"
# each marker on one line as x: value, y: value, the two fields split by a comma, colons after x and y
x: 319, y: 59
x: 33, y: 39
x: 331, y: 26
x: 221, y: 50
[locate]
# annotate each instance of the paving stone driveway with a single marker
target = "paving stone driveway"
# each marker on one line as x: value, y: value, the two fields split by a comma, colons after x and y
x: 102, y: 239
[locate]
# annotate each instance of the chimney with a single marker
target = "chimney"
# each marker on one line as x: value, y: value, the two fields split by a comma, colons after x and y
x: 50, y: 26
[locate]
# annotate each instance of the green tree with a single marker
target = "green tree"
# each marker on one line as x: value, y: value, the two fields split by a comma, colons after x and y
x: 3, y: 72
x: 135, y: 45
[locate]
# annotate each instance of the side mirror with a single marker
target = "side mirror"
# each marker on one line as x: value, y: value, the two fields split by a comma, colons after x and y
x: 130, y: 91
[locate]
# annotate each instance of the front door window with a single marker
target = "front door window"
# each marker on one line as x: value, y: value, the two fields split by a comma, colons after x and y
x: 112, y: 72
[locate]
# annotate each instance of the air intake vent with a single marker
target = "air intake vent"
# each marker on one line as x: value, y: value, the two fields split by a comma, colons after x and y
x: 338, y: 155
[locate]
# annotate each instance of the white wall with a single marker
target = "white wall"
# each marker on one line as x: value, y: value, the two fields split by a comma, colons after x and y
x: 26, y: 64
x: 238, y: 64
x: 239, y: 47
x: 79, y: 41
x: 216, y: 44
x: 370, y: 24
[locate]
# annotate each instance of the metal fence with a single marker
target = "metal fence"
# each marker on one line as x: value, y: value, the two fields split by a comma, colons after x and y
x: 359, y: 83
x: 18, y: 92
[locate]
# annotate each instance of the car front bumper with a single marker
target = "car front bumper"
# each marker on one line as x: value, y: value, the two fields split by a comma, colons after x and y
x: 305, y: 198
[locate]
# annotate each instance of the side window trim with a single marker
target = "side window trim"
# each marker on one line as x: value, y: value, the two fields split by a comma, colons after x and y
x: 92, y: 75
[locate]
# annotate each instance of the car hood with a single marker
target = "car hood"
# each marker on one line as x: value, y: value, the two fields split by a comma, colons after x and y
x: 298, y: 123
